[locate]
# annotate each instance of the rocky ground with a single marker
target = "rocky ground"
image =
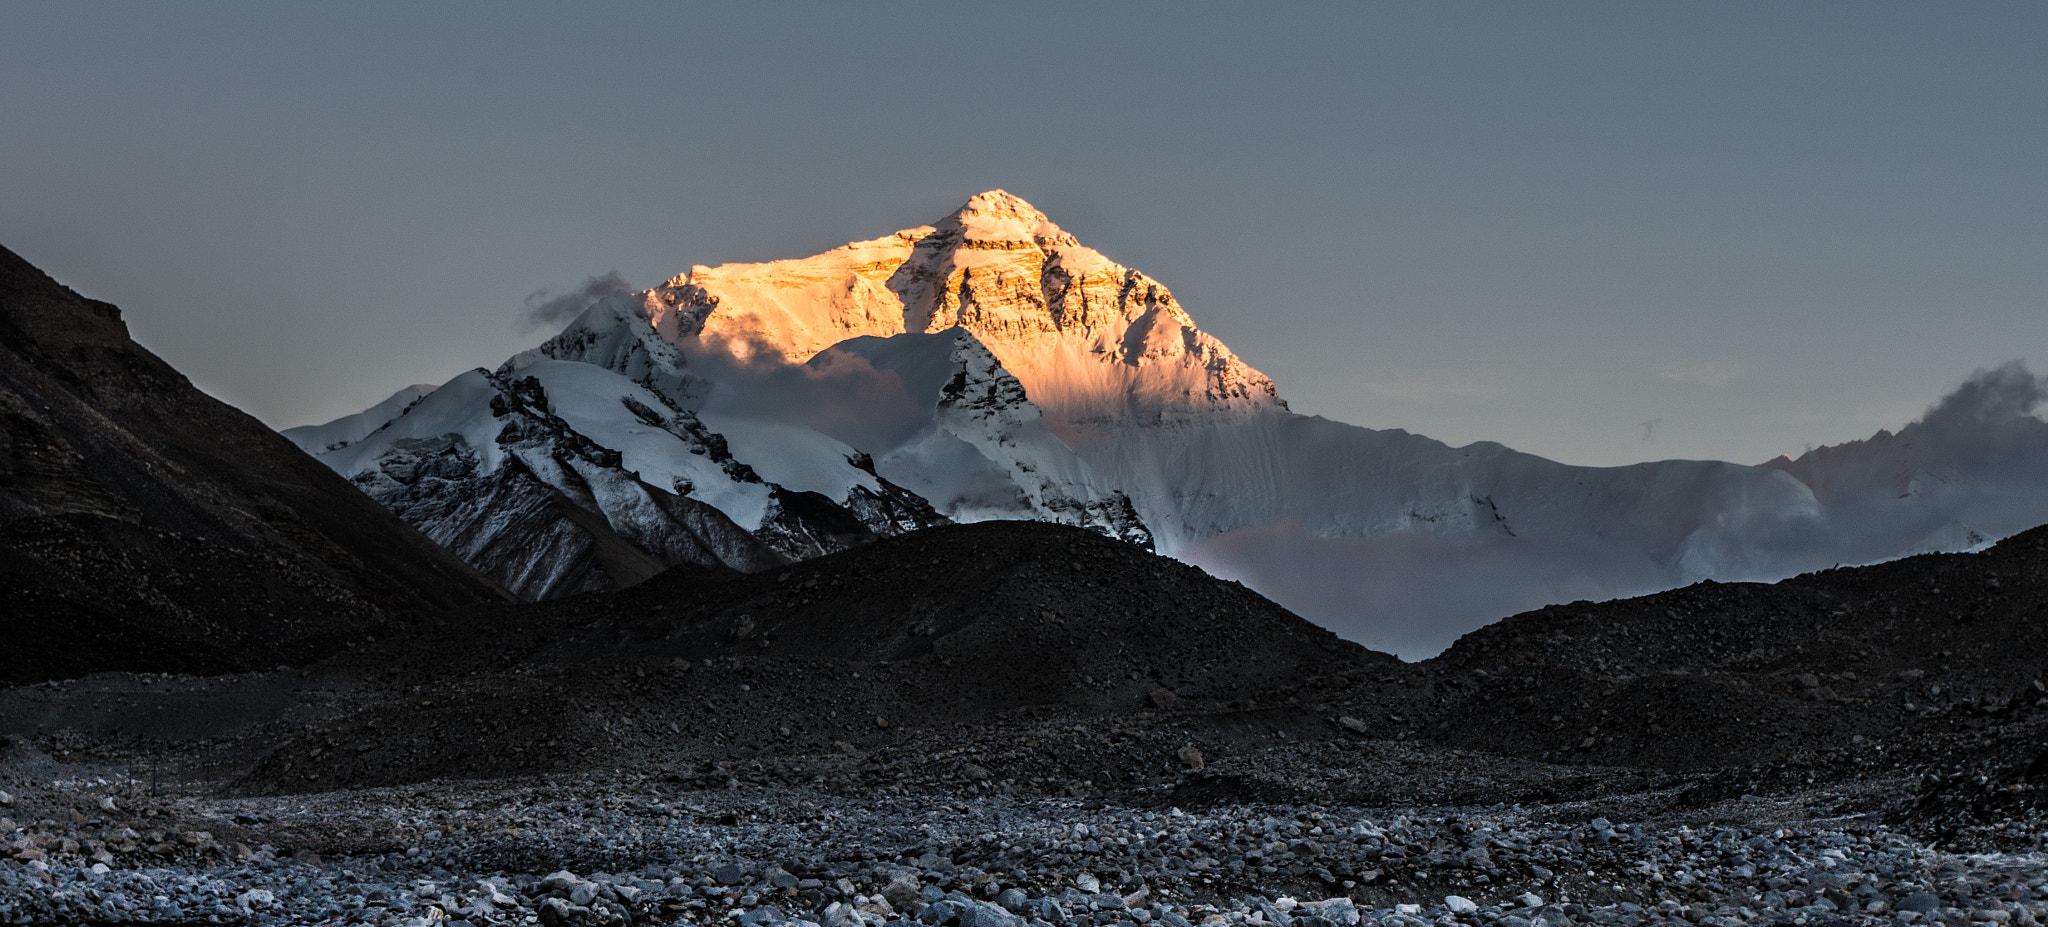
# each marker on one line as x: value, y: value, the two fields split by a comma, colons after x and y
x: 596, y: 849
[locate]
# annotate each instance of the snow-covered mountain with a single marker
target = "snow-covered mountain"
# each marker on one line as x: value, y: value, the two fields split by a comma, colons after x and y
x: 556, y: 477
x: 349, y: 429
x: 989, y: 365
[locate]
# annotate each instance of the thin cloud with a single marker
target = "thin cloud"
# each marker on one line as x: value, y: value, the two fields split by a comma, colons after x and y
x: 548, y: 308
x: 1988, y: 397
x: 840, y: 394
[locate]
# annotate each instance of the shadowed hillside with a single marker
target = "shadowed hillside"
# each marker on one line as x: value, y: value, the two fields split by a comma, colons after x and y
x: 147, y: 526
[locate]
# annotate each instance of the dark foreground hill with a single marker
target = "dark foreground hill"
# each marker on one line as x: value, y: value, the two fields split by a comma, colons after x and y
x: 989, y: 626
x: 1858, y: 659
x: 147, y: 526
x: 1928, y: 673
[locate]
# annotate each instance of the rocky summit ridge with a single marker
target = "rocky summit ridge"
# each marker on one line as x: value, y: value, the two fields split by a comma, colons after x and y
x: 1088, y: 337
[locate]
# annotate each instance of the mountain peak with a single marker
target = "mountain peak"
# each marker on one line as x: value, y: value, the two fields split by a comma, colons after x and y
x: 999, y: 215
x: 1089, y: 338
x: 999, y: 199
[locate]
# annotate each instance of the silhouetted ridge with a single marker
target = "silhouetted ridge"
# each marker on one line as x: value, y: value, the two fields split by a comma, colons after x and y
x: 147, y: 526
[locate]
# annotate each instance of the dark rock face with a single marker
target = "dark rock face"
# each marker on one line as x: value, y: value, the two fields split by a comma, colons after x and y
x: 890, y: 510
x: 806, y: 524
x: 147, y: 526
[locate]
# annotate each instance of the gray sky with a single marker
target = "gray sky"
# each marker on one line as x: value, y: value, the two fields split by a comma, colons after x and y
x: 1758, y: 227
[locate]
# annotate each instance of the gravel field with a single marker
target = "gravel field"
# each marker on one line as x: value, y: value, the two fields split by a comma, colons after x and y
x: 611, y: 850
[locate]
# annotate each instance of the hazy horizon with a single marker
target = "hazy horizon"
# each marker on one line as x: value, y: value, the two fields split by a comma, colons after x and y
x: 1598, y: 233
